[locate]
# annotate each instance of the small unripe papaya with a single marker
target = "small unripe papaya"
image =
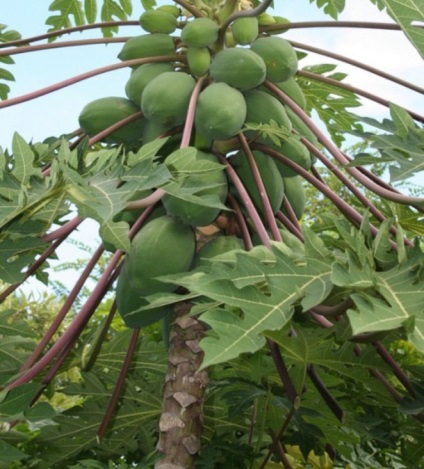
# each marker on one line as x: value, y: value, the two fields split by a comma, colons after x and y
x: 101, y: 113
x: 166, y: 98
x: 279, y: 56
x: 301, y: 127
x: 147, y: 45
x: 173, y: 9
x: 293, y: 91
x: 220, y: 111
x: 200, y: 32
x: 295, y: 193
x: 158, y: 21
x: 215, y: 247
x: 245, y: 30
x: 199, y: 60
x: 194, y: 214
x: 239, y: 67
x: 266, y: 18
x: 270, y: 176
x: 143, y: 75
x: 295, y: 151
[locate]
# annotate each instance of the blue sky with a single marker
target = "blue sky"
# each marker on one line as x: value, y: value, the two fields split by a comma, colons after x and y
x: 57, y: 113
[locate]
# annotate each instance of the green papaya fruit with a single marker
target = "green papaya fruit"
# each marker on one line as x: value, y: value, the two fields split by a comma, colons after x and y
x: 143, y: 75
x: 173, y: 9
x: 295, y: 151
x: 193, y: 214
x: 147, y: 45
x: 166, y: 98
x: 279, y: 56
x: 262, y: 108
x: 215, y: 247
x: 199, y: 60
x: 301, y: 127
x: 239, y: 67
x: 158, y: 21
x: 265, y: 19
x: 283, y: 22
x: 294, y: 91
x: 101, y: 113
x: 163, y: 246
x: 245, y: 30
x: 270, y: 176
x: 220, y: 111
x: 200, y: 32
x: 295, y: 193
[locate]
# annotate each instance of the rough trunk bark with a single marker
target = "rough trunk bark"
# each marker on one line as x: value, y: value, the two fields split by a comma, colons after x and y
x: 180, y: 424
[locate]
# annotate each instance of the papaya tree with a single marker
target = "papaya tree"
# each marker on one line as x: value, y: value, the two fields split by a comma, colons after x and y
x: 259, y: 293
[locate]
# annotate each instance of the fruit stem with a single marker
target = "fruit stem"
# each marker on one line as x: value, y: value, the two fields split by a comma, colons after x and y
x: 188, y: 127
x: 269, y: 215
x: 97, y: 71
x: 73, y: 29
x: 358, y: 64
x: 339, y: 155
x: 244, y: 196
x: 190, y: 8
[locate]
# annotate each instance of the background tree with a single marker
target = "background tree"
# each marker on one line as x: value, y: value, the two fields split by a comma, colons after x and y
x: 298, y: 339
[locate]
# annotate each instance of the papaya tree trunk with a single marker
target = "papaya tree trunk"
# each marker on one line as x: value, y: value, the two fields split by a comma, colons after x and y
x: 180, y: 424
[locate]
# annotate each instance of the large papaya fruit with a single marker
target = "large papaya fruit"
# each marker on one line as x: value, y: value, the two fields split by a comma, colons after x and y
x: 158, y: 21
x: 200, y: 32
x: 279, y: 56
x: 295, y: 151
x: 238, y: 67
x: 166, y: 98
x: 143, y: 75
x: 220, y: 111
x: 215, y: 247
x: 245, y: 30
x: 147, y: 45
x: 163, y: 246
x: 262, y: 108
x: 194, y: 214
x: 101, y: 113
x: 295, y: 193
x: 270, y: 176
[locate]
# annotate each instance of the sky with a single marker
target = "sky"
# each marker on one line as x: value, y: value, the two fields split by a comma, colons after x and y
x: 57, y: 113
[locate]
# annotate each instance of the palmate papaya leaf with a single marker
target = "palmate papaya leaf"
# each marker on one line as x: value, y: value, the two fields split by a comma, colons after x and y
x: 6, y: 36
x: 401, y: 142
x: 396, y: 300
x: 11, y: 454
x: 330, y: 102
x: 98, y: 190
x: 134, y: 423
x: 331, y: 7
x: 309, y: 346
x: 65, y: 9
x: 408, y: 14
x: 264, y: 293
x: 112, y: 11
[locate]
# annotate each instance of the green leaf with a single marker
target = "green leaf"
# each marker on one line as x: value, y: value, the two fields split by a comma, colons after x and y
x: 66, y: 9
x: 23, y: 158
x: 10, y: 454
x: 401, y: 300
x: 406, y: 12
x: 17, y: 400
x: 265, y: 293
x: 331, y: 7
x: 329, y: 101
x: 90, y: 9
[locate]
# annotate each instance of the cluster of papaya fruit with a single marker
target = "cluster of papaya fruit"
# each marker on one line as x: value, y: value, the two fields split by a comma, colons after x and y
x: 234, y: 68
